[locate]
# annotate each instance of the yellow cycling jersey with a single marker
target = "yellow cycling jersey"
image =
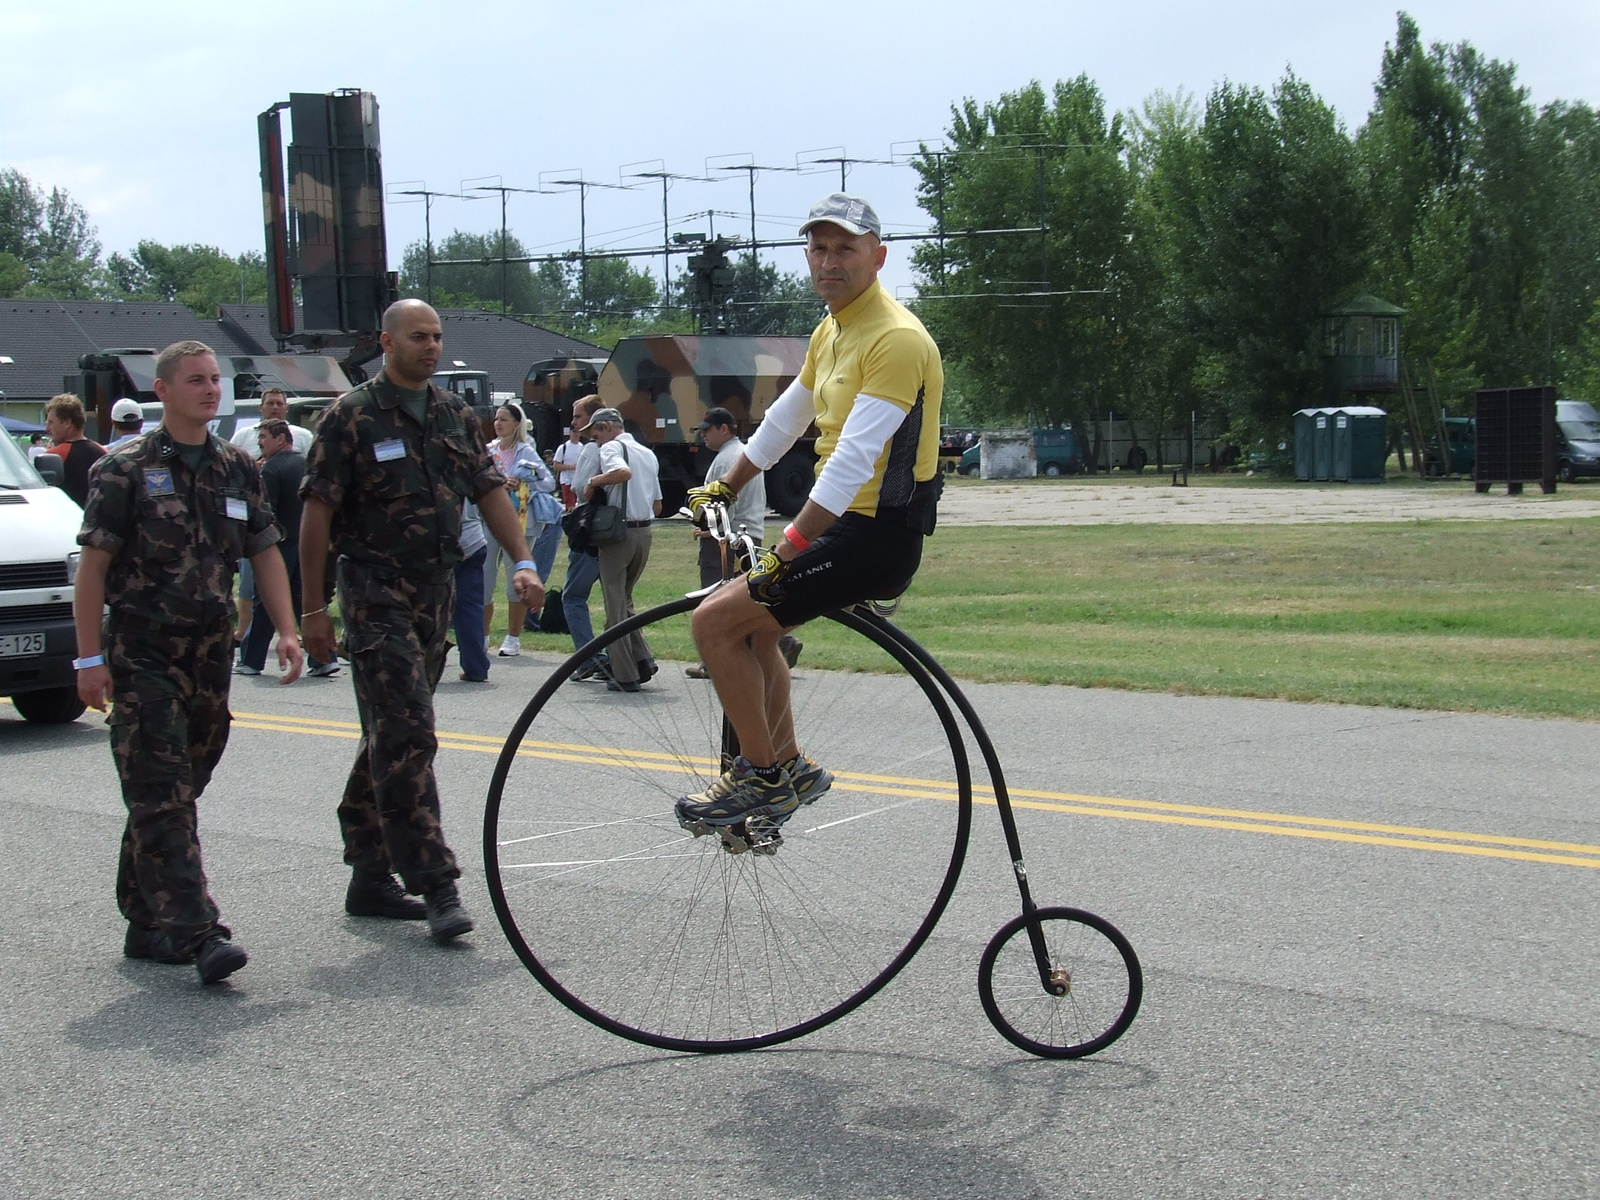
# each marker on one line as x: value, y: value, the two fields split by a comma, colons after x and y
x: 876, y: 346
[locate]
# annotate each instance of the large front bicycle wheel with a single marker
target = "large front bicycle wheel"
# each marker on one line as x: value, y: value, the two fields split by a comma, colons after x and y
x: 1061, y: 983
x: 678, y: 941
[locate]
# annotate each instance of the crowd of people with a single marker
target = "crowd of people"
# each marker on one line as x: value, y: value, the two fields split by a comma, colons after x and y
x: 402, y: 510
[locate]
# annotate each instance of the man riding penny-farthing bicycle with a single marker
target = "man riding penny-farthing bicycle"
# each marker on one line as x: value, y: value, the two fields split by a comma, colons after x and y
x: 872, y: 382
x: 644, y: 861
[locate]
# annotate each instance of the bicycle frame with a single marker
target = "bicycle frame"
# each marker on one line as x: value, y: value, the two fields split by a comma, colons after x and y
x: 720, y: 525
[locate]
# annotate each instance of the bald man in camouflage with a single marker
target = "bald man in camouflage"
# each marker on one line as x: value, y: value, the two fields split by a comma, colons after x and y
x: 390, y: 466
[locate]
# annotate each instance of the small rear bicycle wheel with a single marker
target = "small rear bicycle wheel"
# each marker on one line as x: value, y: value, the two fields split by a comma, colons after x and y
x: 692, y: 943
x: 1084, y: 997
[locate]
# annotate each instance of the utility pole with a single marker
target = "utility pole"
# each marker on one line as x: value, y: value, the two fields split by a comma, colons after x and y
x: 427, y: 223
x: 576, y: 180
x: 657, y: 170
x: 469, y: 185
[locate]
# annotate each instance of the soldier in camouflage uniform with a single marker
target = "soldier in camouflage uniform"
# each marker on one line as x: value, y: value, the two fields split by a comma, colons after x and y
x: 384, y: 484
x: 168, y: 516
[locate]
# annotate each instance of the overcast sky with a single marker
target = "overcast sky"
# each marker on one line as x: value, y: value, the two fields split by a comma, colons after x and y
x: 146, y: 112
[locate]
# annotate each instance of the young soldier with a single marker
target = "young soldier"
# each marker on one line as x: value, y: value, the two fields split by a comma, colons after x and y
x: 167, y: 518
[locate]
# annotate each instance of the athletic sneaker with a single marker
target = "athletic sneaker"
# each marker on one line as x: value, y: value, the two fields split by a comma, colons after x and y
x: 738, y: 794
x: 324, y: 670
x: 810, y: 779
x: 510, y: 648
x: 246, y: 669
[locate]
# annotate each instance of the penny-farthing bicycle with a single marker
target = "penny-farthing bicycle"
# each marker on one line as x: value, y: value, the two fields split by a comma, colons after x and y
x: 730, y: 943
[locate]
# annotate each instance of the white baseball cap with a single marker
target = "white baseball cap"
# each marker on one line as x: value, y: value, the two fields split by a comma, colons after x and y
x: 126, y: 410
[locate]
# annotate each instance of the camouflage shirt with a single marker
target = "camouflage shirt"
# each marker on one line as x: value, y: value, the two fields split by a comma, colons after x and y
x: 396, y: 487
x: 174, y: 535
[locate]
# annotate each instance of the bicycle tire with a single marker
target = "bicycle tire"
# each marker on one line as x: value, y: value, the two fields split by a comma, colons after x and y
x: 1104, y: 982
x: 671, y: 941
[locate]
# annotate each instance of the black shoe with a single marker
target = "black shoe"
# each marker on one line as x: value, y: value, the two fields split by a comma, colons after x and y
x: 371, y: 895
x: 647, y: 670
x: 140, y: 942
x: 446, y: 918
x: 597, y: 667
x: 620, y: 685
x: 218, y: 958
x: 790, y: 648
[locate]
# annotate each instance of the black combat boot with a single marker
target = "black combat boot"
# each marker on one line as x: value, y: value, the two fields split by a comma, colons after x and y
x: 374, y: 895
x: 140, y: 942
x: 446, y: 918
x: 218, y: 958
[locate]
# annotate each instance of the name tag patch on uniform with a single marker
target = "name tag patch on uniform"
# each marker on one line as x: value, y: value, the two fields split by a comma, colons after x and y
x: 158, y: 483
x: 390, y: 450
x: 236, y: 508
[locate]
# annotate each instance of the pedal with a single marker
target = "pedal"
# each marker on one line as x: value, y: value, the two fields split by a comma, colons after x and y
x: 762, y: 837
x: 696, y: 826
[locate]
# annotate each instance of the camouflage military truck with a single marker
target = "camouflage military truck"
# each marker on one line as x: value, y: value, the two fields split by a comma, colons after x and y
x: 663, y: 386
x: 552, y: 387
x: 312, y: 381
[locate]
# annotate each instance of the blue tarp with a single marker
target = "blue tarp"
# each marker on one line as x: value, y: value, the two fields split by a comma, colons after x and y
x: 18, y: 428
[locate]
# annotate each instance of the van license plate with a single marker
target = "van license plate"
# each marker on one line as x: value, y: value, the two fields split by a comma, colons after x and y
x: 21, y: 645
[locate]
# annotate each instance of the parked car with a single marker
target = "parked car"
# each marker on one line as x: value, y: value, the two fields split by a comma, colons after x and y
x: 1577, y: 440
x: 38, y: 562
x: 1057, y: 452
x: 1463, y: 438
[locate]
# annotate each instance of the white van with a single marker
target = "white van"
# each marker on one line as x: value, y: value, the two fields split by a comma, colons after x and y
x: 38, y: 563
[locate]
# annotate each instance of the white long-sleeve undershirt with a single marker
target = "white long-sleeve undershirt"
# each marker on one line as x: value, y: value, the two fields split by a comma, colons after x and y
x: 868, y: 428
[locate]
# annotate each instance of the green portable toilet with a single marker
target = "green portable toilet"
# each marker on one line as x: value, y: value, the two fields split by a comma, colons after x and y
x: 1305, y: 435
x: 1358, y: 439
x: 1347, y: 444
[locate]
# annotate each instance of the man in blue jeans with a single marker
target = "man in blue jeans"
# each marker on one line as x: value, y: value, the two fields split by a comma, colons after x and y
x: 467, y: 618
x: 583, y: 567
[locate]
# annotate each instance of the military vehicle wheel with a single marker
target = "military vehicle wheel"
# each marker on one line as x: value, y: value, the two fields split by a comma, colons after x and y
x: 53, y: 706
x: 789, y: 481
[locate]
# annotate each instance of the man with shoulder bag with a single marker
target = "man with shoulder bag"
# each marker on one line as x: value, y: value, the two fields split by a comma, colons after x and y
x: 620, y: 528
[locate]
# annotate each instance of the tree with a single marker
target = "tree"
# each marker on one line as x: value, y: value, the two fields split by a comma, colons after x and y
x: 1271, y: 232
x: 47, y: 245
x: 201, y: 277
x: 486, y: 284
x: 1044, y: 321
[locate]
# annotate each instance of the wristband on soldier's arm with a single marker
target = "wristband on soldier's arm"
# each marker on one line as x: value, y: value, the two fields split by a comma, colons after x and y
x: 525, y: 564
x: 314, y: 612
x: 93, y: 660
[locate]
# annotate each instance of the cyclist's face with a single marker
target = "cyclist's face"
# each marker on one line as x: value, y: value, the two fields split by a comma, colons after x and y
x: 843, y: 264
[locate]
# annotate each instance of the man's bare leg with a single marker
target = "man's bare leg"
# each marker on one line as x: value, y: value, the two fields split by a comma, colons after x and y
x: 740, y: 670
x: 780, y: 712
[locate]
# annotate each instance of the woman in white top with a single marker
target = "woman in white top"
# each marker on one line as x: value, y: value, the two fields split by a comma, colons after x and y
x: 532, y: 489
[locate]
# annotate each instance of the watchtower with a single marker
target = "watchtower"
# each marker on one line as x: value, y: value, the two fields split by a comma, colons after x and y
x: 1361, y: 348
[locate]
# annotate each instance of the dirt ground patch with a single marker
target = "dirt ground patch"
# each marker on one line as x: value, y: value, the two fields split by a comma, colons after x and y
x: 1078, y: 502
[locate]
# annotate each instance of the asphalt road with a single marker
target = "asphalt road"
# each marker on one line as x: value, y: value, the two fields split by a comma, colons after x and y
x: 1369, y: 938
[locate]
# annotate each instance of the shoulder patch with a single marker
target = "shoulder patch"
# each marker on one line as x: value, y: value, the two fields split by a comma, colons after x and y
x: 158, y: 482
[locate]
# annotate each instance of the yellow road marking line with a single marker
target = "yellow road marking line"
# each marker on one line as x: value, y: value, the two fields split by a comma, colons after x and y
x: 1198, y: 816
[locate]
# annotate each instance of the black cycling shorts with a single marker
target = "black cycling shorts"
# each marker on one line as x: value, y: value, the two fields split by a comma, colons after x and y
x: 858, y: 558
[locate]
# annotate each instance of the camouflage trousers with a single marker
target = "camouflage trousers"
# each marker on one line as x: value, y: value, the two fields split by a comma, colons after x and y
x: 394, y: 637
x: 169, y: 725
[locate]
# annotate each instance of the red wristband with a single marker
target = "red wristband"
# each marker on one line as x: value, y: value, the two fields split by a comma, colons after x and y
x: 792, y: 536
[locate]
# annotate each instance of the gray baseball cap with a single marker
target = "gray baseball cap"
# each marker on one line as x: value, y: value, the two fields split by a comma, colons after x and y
x: 847, y: 212
x: 606, y: 416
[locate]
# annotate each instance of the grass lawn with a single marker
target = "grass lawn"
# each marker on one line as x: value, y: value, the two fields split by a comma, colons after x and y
x: 1495, y: 616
